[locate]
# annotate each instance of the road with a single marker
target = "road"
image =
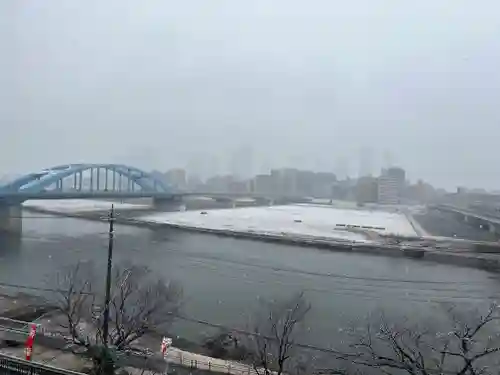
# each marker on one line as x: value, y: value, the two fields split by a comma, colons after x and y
x: 446, y: 224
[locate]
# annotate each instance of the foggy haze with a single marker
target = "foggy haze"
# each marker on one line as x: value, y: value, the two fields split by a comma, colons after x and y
x: 309, y: 84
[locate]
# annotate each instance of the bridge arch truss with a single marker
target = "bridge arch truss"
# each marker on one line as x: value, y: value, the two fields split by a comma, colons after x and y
x: 89, y: 177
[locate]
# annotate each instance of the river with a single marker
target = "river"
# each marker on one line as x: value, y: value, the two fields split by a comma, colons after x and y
x: 224, y: 278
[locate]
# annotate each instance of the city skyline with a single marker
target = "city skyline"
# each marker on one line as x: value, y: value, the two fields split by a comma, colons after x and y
x: 201, y: 170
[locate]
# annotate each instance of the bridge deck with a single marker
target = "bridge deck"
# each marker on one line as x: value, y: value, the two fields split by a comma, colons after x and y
x: 20, y: 195
x: 465, y: 212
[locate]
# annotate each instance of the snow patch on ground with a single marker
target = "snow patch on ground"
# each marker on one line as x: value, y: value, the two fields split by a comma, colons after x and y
x: 293, y: 220
x: 301, y: 220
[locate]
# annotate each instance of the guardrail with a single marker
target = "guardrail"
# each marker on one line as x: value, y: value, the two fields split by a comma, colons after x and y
x: 14, y: 366
x: 13, y: 323
x: 215, y: 365
x: 148, y: 361
x: 466, y: 211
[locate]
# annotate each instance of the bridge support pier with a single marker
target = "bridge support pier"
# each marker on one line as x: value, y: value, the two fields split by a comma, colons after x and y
x: 169, y: 205
x: 11, y: 220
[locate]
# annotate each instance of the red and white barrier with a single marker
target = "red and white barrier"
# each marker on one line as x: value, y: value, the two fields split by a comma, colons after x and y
x: 28, y: 347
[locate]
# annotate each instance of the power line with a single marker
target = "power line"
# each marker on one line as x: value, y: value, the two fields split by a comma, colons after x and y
x: 350, y: 292
x: 207, y: 323
x: 244, y: 332
x: 281, y: 269
x: 367, y: 292
x: 361, y: 288
x: 326, y: 275
x: 385, y: 283
x: 320, y: 274
x: 330, y: 275
x: 349, y: 285
x: 51, y: 217
x: 202, y: 322
x: 28, y: 287
x: 192, y: 320
x: 298, y: 271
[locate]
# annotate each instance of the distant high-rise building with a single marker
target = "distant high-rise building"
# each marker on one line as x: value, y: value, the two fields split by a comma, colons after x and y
x: 342, y: 167
x: 241, y: 163
x: 177, y: 178
x: 219, y: 184
x: 195, y: 166
x: 390, y: 185
x: 388, y: 159
x: 388, y: 192
x: 263, y: 184
x: 366, y: 190
x: 212, y: 165
x: 420, y: 192
x: 285, y: 180
x: 399, y: 175
x: 365, y: 162
x: 194, y: 182
x: 397, y: 172
x: 323, y: 183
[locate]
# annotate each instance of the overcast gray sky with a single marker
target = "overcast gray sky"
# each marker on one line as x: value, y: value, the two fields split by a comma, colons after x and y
x: 315, y: 84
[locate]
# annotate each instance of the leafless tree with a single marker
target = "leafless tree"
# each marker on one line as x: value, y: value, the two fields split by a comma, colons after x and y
x: 470, y: 347
x: 140, y: 303
x: 271, y: 344
x: 75, y: 299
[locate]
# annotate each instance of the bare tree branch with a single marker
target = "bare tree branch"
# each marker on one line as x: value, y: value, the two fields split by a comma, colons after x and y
x: 471, y: 347
x: 272, y: 345
x: 139, y: 303
x: 75, y: 299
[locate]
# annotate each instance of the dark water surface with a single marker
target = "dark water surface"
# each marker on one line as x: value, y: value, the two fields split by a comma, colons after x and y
x: 223, y: 278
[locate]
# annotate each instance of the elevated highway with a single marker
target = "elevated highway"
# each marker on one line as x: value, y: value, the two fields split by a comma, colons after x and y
x: 480, y: 219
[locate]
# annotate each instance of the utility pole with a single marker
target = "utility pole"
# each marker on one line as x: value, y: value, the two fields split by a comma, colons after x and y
x: 105, y: 325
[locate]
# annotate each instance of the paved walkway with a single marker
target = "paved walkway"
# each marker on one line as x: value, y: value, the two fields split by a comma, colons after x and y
x: 183, y: 358
x: 177, y: 356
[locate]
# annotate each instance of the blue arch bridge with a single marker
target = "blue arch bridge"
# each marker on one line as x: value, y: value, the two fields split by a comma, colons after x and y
x: 80, y: 181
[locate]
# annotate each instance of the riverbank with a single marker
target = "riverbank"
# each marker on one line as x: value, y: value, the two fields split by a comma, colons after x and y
x: 225, y: 279
x: 17, y: 311
x: 415, y: 248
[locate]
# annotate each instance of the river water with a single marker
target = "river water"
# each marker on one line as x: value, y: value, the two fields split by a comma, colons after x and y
x: 224, y: 278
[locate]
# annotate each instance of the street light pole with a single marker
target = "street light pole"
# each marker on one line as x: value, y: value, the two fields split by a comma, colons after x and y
x: 105, y: 325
